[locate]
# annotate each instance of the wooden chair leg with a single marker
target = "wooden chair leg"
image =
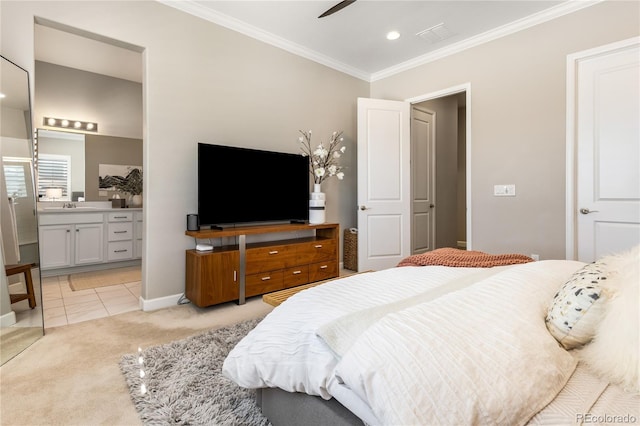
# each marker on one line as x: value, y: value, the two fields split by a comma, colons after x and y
x: 26, y: 270
x: 30, y: 292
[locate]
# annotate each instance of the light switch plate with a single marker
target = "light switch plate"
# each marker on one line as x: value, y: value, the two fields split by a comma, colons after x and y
x: 504, y: 190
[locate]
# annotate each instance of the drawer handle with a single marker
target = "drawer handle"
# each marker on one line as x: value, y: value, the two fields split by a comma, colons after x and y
x: 324, y: 267
x: 119, y: 217
x: 266, y: 278
x: 121, y: 251
x: 273, y: 252
x: 318, y: 246
x: 297, y: 272
x: 119, y: 232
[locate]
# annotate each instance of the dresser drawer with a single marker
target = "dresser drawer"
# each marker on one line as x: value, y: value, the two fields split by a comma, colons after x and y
x: 322, y: 271
x: 262, y: 259
x: 263, y: 283
x: 317, y: 251
x: 120, y: 250
x: 120, y: 217
x: 120, y: 231
x: 296, y: 276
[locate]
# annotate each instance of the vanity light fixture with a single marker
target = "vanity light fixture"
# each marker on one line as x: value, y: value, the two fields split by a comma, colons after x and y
x: 70, y: 124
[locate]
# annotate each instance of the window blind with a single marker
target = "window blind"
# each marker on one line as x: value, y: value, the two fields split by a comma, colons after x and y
x: 54, y: 172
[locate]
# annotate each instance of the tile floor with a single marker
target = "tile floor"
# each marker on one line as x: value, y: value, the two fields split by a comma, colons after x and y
x: 64, y: 306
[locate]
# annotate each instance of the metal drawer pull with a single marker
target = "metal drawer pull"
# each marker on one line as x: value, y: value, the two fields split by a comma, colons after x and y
x: 235, y: 276
x: 297, y: 272
x: 266, y: 278
x: 273, y: 252
x: 119, y: 217
x: 119, y: 232
x: 120, y: 251
x: 324, y: 267
x: 318, y: 246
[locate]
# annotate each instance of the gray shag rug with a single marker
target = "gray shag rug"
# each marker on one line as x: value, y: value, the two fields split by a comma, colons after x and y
x: 185, y: 385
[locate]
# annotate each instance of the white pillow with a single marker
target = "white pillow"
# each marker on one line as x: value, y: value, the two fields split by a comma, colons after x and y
x: 578, y: 307
x: 614, y: 353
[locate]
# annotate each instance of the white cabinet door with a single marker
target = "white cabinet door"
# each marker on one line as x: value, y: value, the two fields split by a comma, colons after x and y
x: 89, y: 243
x: 55, y: 246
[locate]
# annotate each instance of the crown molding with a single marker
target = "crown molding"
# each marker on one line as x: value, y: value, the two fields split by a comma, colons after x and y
x: 505, y: 30
x: 193, y: 8
x: 189, y: 6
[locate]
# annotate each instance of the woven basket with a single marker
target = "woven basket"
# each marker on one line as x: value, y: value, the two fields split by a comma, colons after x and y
x: 350, y: 250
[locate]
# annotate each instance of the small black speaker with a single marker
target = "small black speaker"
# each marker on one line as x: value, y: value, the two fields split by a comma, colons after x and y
x: 192, y: 222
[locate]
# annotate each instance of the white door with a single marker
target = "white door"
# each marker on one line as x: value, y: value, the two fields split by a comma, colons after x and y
x: 423, y: 177
x: 607, y: 209
x: 384, y: 194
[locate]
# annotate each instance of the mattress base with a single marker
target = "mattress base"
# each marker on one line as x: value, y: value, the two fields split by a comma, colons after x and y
x: 288, y: 408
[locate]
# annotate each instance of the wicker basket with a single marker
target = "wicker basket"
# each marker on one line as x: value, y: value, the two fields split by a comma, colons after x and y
x: 350, y: 249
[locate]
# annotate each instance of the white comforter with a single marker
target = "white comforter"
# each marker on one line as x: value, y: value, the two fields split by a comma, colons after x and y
x: 480, y: 353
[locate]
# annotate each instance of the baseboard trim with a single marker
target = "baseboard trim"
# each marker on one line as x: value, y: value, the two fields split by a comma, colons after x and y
x: 8, y: 319
x: 159, y: 303
x: 89, y: 268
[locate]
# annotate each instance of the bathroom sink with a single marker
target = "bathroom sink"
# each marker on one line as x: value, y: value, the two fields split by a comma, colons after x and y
x: 70, y: 208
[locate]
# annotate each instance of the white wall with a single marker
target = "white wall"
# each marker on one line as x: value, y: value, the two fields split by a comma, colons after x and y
x: 202, y: 83
x: 62, y: 92
x: 518, y: 122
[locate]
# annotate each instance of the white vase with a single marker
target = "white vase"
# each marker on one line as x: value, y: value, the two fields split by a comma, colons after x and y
x: 317, y: 205
x: 136, y: 201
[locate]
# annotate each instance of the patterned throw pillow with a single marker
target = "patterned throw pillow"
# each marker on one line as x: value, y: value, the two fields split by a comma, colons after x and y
x: 578, y: 307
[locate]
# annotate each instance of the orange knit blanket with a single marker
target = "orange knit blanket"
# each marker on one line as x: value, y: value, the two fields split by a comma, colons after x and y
x: 462, y: 258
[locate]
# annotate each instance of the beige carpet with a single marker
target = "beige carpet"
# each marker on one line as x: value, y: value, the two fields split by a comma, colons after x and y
x: 13, y: 340
x: 107, y: 277
x: 71, y: 375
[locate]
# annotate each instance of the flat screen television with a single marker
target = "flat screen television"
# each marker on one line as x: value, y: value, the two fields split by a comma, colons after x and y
x: 242, y: 185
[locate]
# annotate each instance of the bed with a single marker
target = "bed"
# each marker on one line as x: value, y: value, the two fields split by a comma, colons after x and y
x: 525, y: 343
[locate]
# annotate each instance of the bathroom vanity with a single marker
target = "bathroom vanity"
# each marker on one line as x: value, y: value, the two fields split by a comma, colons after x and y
x: 89, y: 236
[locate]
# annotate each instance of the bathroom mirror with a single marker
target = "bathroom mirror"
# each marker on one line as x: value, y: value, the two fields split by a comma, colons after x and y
x: 83, y: 155
x: 21, y: 314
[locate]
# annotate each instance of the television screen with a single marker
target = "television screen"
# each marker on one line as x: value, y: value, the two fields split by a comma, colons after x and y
x: 241, y: 185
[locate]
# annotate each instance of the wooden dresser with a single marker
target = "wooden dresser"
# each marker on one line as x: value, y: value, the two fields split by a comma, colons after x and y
x: 234, y: 272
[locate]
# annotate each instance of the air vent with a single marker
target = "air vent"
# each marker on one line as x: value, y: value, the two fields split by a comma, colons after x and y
x: 436, y: 33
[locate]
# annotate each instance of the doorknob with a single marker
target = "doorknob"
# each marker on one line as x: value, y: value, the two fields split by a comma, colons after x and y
x: 587, y: 211
x: 431, y: 206
x: 364, y: 208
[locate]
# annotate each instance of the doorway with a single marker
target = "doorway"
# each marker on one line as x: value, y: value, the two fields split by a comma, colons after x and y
x: 384, y: 178
x: 78, y: 76
x: 438, y: 170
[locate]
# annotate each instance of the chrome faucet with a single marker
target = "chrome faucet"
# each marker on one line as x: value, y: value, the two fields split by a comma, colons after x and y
x: 68, y: 205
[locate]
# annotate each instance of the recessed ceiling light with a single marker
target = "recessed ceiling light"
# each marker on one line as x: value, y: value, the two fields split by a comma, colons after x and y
x: 2, y: 95
x: 393, y: 35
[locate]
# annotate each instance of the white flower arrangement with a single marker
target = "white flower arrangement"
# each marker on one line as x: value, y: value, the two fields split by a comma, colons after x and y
x: 323, y: 162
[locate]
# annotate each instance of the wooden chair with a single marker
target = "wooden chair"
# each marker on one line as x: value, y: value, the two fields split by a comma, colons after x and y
x: 23, y: 268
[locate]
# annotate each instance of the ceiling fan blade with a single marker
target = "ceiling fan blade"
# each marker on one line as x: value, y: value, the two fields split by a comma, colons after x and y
x: 336, y: 8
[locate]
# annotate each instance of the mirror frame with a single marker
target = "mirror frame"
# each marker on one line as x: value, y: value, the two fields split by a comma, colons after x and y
x: 20, y: 336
